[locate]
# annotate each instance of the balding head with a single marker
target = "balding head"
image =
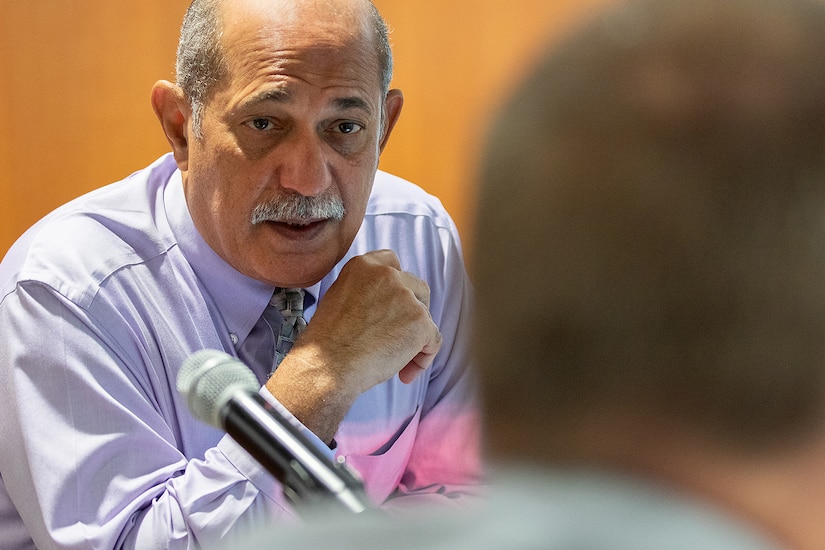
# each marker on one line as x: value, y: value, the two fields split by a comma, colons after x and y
x: 201, y: 49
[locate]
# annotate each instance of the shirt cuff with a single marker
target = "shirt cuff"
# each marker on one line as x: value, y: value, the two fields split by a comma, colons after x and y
x: 329, y: 451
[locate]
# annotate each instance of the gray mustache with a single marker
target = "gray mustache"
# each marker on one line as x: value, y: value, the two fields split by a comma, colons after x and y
x: 292, y: 206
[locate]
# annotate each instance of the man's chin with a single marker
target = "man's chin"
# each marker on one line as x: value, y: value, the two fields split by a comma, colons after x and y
x: 301, y: 270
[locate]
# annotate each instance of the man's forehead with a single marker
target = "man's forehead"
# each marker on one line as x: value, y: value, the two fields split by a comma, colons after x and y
x: 319, y: 41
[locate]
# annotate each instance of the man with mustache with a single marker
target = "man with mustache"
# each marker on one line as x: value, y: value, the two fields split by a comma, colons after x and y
x: 276, y: 122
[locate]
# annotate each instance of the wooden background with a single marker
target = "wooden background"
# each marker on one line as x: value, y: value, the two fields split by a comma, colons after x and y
x: 75, y: 78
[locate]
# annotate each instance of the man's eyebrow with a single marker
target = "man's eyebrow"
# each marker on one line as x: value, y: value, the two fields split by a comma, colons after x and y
x: 354, y: 102
x: 283, y: 96
x: 280, y: 96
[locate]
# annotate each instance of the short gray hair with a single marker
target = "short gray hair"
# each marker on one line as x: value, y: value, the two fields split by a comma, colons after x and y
x: 200, y: 61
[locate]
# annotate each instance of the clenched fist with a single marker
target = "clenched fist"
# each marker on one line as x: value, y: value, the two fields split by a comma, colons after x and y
x: 372, y: 324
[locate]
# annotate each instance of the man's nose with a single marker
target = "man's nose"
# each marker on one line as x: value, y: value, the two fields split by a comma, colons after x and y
x: 304, y: 165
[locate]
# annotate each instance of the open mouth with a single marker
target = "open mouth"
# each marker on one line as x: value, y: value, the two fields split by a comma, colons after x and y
x: 301, y: 223
x: 298, y: 229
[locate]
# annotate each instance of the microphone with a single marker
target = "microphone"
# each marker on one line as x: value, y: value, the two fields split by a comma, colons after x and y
x: 220, y: 390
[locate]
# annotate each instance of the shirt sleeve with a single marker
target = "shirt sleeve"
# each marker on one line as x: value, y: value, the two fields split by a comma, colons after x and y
x: 90, y: 457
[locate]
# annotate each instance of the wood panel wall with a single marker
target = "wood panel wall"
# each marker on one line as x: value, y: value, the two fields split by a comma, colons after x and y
x: 75, y: 78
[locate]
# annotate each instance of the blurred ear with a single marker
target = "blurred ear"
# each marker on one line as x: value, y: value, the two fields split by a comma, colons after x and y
x: 392, y: 110
x: 173, y: 111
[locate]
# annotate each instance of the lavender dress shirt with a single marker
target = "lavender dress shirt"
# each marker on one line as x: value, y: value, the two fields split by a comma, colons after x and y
x: 101, y: 302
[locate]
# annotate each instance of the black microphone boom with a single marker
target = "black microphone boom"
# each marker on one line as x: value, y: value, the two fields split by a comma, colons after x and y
x: 220, y: 390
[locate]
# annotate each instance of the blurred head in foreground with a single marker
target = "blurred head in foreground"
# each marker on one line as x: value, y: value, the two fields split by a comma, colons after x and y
x: 650, y: 263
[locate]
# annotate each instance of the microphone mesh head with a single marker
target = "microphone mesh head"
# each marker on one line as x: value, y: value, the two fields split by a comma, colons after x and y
x: 208, y: 379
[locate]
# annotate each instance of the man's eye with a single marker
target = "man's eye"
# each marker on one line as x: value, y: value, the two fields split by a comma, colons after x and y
x: 349, y: 127
x: 260, y: 124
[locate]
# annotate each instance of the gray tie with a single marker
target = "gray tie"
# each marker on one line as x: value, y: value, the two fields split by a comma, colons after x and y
x: 290, y: 303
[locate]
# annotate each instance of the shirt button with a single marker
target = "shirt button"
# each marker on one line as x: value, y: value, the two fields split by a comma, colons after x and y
x: 234, y: 338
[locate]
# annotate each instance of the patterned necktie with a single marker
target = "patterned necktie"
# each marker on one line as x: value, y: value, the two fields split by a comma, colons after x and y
x: 290, y: 303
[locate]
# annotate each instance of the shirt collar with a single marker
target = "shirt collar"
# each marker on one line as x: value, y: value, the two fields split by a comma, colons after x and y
x: 240, y: 300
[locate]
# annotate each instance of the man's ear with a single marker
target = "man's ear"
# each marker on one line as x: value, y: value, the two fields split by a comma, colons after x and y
x: 392, y: 110
x: 173, y: 111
